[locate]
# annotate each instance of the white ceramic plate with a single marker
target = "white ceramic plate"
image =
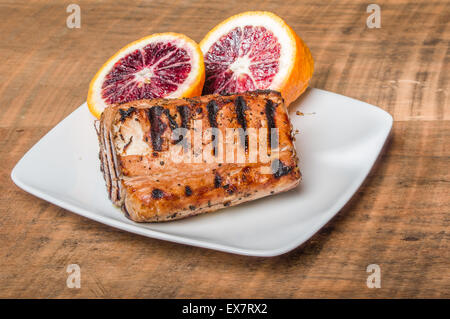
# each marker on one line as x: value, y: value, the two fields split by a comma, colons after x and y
x: 339, y: 141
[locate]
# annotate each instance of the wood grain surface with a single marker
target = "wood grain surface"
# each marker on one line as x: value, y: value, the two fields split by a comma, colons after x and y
x: 399, y: 219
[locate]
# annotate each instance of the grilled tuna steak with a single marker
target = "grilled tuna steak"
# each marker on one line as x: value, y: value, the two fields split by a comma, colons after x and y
x: 137, y: 143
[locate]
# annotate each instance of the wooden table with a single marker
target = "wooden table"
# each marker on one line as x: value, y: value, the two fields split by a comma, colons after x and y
x: 399, y: 219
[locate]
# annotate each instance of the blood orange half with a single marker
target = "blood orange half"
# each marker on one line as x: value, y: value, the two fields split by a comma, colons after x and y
x: 256, y: 50
x: 161, y: 65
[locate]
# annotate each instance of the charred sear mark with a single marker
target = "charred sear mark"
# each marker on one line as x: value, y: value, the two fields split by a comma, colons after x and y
x: 217, y: 181
x: 187, y: 191
x: 191, y: 207
x: 157, y: 193
x: 185, y: 115
x: 128, y: 144
x: 126, y: 113
x: 279, y: 169
x: 270, y: 110
x: 157, y: 126
x: 213, y: 108
x: 241, y: 106
x: 172, y: 123
x: 227, y: 203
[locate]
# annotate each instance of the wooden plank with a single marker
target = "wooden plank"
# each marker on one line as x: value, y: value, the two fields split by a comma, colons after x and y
x: 398, y: 219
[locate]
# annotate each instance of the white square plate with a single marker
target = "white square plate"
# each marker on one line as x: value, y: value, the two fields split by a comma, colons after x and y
x: 339, y: 141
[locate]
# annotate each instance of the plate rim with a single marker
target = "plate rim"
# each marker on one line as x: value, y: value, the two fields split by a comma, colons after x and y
x: 329, y: 214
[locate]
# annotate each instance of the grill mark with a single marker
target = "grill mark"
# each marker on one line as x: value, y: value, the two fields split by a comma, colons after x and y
x: 157, y: 127
x: 172, y: 123
x: 213, y: 108
x: 241, y: 106
x: 185, y: 114
x: 270, y: 110
x: 282, y: 169
x: 124, y: 114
